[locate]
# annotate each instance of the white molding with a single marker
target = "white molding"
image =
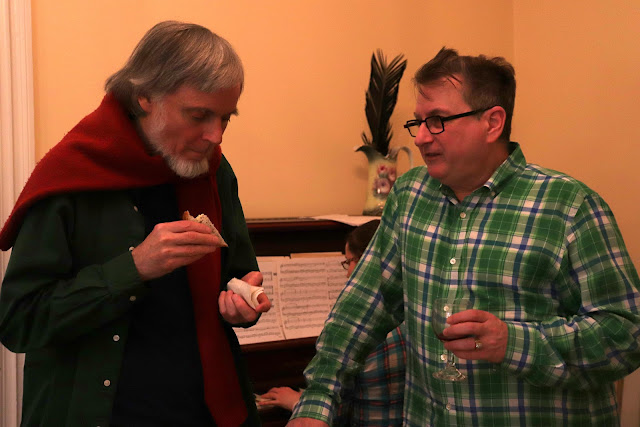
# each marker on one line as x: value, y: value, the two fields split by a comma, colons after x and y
x: 17, y: 157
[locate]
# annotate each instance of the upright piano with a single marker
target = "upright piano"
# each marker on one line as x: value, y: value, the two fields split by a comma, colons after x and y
x: 281, y: 363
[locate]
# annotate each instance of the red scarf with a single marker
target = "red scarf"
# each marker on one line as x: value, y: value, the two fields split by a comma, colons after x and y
x: 105, y: 152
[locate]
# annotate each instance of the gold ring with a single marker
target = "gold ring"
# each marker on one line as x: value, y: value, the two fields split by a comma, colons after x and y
x: 478, y: 345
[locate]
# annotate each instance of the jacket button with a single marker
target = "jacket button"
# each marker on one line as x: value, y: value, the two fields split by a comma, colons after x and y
x: 131, y: 248
x: 135, y: 208
x: 107, y: 383
x: 132, y: 298
x: 116, y: 338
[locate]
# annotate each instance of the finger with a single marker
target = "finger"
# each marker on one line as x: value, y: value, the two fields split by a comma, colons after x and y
x: 268, y: 395
x: 185, y: 232
x: 188, y: 254
x: 197, y: 239
x: 182, y: 226
x: 242, y: 309
x: 463, y: 330
x: 253, y: 278
x: 222, y: 302
x: 188, y: 225
x: 230, y: 302
x: 465, y: 344
x: 264, y: 304
x: 471, y: 315
x: 181, y: 249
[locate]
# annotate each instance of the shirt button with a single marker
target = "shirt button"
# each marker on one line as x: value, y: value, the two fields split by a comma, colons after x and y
x: 135, y: 208
x: 116, y: 338
x: 107, y: 383
x: 443, y: 357
x: 452, y: 261
x: 448, y: 406
x: 132, y: 298
x: 463, y: 215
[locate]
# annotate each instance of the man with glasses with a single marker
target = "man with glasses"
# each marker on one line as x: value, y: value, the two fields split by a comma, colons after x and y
x: 538, y: 252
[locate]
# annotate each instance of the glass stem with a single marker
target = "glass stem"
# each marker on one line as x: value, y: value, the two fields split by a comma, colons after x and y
x: 450, y: 362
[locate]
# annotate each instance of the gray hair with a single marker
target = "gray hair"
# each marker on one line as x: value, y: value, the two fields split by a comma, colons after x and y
x: 172, y: 54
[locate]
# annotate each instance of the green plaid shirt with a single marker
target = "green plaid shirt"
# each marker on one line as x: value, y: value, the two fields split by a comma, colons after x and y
x: 543, y: 250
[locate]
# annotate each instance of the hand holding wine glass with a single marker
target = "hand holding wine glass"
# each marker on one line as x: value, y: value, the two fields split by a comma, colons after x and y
x: 442, y: 309
x: 475, y: 333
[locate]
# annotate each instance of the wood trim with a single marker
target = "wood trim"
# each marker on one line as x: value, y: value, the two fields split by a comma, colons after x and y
x: 279, y: 345
x: 282, y: 236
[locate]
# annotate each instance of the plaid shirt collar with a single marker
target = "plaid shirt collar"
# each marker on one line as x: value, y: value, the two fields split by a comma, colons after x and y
x: 512, y: 166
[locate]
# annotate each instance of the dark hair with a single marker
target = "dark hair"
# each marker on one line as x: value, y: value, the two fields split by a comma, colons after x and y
x: 170, y: 55
x: 358, y: 239
x: 486, y: 82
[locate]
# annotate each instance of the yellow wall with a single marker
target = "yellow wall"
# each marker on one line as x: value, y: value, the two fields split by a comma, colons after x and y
x: 577, y: 110
x: 307, y: 68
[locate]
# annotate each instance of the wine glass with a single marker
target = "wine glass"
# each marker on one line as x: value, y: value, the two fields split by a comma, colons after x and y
x: 440, y: 312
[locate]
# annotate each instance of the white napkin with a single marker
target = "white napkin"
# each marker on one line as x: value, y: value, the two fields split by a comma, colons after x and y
x: 248, y: 292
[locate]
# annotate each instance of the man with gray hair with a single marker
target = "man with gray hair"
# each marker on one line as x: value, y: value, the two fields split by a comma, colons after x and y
x: 119, y: 304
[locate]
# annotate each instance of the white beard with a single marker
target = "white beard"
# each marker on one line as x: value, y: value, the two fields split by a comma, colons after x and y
x: 187, y: 169
x: 183, y: 168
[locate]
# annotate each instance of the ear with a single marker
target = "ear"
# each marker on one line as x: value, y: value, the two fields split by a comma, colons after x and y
x: 495, y: 121
x: 145, y: 103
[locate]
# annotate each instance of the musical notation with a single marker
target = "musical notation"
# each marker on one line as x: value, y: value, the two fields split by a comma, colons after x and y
x: 302, y: 292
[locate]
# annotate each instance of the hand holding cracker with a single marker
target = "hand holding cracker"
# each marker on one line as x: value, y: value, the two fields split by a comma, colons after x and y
x: 203, y: 219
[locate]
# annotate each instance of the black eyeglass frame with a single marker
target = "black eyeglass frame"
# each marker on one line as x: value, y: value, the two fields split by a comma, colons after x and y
x: 346, y: 262
x: 415, y: 122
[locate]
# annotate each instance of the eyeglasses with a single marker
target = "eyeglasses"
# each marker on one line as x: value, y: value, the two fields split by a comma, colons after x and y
x: 435, y: 124
x: 346, y: 262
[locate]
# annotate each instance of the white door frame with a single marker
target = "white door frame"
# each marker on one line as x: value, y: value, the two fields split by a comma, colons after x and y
x: 17, y: 159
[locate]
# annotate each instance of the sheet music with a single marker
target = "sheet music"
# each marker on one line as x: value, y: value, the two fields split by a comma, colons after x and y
x: 269, y: 327
x: 336, y: 278
x: 306, y: 295
x: 302, y: 292
x: 303, y: 296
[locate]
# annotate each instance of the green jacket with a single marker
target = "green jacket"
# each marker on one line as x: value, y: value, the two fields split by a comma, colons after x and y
x: 67, y: 292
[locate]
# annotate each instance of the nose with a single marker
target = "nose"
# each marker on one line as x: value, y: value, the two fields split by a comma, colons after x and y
x: 213, y: 130
x: 423, y: 136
